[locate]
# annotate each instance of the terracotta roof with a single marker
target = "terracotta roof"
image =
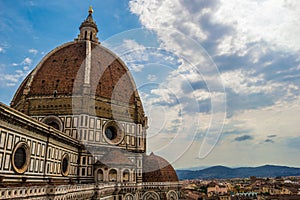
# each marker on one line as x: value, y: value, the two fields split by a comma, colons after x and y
x: 62, y: 74
x: 61, y: 67
x: 157, y: 169
x: 115, y: 157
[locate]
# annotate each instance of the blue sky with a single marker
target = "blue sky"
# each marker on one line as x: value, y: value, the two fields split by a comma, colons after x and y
x: 219, y: 79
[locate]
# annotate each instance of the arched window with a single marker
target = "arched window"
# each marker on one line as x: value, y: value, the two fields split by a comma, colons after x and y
x: 112, y: 175
x: 126, y: 175
x: 85, y: 35
x: 100, y: 175
x: 91, y: 36
x: 53, y: 121
x: 54, y: 125
x: 55, y: 93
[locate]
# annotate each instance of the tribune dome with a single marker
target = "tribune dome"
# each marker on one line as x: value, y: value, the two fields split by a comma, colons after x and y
x: 157, y: 169
x: 81, y: 77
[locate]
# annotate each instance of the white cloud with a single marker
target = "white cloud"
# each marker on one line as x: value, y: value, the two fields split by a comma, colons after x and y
x: 174, y: 32
x: 247, y: 82
x: 177, y: 110
x: 132, y: 45
x: 10, y: 80
x: 10, y: 84
x: 255, y: 28
x: 152, y: 77
x: 33, y: 51
x: 2, y: 50
x: 135, y: 67
x: 22, y: 69
x: 131, y: 52
x: 26, y: 68
x: 164, y: 14
x: 176, y: 35
x: 27, y: 61
x: 179, y: 35
x: 280, y: 119
x: 277, y: 22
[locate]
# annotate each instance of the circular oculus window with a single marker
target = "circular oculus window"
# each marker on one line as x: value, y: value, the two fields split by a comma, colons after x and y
x: 21, y: 157
x: 65, y: 165
x: 113, y: 132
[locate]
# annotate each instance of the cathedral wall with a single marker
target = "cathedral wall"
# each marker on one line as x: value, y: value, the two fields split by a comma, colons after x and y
x: 33, y: 152
x: 48, y: 148
x: 89, y: 131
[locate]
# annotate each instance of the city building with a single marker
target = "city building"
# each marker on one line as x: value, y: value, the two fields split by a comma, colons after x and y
x: 216, y: 189
x: 76, y: 129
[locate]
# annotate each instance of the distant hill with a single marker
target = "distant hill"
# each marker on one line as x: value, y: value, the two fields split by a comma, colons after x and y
x: 220, y: 172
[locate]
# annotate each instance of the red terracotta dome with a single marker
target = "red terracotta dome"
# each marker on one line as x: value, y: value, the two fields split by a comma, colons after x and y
x: 157, y: 169
x: 81, y: 77
x: 65, y: 64
x: 70, y: 72
x: 63, y: 76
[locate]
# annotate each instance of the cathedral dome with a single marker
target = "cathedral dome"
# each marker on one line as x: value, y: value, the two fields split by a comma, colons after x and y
x: 80, y: 77
x: 157, y: 169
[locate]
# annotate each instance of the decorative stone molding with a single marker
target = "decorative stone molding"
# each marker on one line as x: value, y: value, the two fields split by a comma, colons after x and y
x: 129, y: 191
x: 151, y: 195
x: 172, y: 195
